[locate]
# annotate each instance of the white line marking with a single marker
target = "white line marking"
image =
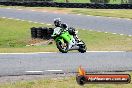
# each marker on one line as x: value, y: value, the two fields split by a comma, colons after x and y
x: 90, y: 30
x: 78, y: 14
x: 106, y: 32
x: 114, y: 33
x: 34, y: 71
x: 109, y: 17
x: 41, y: 23
x: 121, y: 34
x: 51, y: 24
x: 119, y: 18
x: 48, y: 24
x: 36, y: 22
x: 19, y: 9
x: 18, y: 19
x: 30, y: 21
x: 10, y: 18
x: 8, y: 8
x: 54, y: 52
x: 33, y: 10
x: 54, y: 70
x: 98, y: 31
x: 4, y: 17
x: 23, y: 20
x: 87, y: 15
x: 129, y: 19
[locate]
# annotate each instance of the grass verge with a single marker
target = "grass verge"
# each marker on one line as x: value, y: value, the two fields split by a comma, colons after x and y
x: 15, y: 35
x: 64, y: 82
x: 119, y: 13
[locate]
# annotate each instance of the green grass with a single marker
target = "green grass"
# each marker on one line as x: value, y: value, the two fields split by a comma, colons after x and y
x: 103, y: 41
x: 15, y: 35
x: 104, y: 12
x: 119, y: 13
x: 64, y: 82
x: 25, y: 49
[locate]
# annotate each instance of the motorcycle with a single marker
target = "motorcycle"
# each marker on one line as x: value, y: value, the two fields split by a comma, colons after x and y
x: 66, y: 41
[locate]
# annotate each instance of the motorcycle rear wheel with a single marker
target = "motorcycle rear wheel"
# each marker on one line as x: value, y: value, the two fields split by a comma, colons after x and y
x: 82, y: 48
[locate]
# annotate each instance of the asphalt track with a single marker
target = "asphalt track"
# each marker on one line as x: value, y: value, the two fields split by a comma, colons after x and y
x: 46, y: 63
x: 105, y: 24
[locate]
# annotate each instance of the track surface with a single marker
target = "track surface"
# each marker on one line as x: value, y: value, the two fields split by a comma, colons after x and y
x: 114, y: 25
x: 18, y: 64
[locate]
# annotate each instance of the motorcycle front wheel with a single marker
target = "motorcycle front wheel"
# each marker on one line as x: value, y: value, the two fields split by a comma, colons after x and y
x: 63, y: 47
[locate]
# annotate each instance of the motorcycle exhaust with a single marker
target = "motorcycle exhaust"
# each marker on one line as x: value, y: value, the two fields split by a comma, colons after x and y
x: 74, y: 48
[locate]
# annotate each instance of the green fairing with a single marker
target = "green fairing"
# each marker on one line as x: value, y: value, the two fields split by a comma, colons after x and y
x: 65, y: 35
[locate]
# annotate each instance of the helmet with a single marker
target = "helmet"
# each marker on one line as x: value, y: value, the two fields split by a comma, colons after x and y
x: 64, y: 26
x: 57, y: 22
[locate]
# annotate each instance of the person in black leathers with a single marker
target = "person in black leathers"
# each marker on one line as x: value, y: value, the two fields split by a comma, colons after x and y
x: 72, y: 31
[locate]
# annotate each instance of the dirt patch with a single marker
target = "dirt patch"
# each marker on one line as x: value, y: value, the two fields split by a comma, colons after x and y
x: 33, y: 41
x: 39, y: 42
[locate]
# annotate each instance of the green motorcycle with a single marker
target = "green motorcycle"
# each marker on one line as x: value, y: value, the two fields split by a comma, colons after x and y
x: 65, y: 41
